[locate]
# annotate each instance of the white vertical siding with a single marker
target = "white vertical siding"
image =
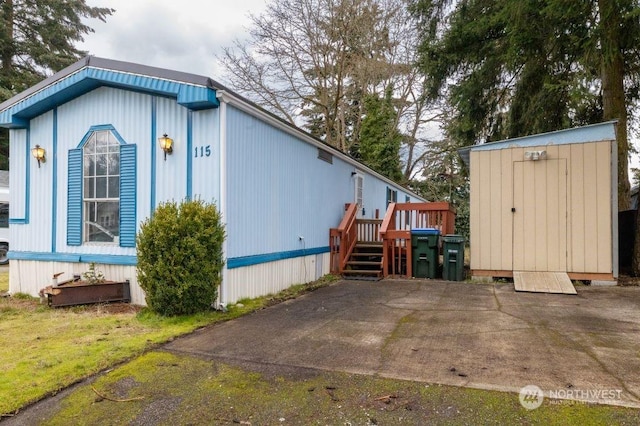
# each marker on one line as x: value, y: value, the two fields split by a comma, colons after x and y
x: 29, y: 276
x: 270, y: 278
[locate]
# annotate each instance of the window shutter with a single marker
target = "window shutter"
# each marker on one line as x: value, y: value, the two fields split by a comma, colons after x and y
x: 74, y: 198
x: 128, y: 195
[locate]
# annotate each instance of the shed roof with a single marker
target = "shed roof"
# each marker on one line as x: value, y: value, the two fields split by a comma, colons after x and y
x: 605, y: 131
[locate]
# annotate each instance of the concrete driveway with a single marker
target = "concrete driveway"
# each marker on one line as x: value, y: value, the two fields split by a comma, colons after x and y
x: 487, y: 336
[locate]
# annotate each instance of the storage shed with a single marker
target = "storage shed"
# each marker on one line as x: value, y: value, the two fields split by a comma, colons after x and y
x: 546, y: 203
x: 99, y: 126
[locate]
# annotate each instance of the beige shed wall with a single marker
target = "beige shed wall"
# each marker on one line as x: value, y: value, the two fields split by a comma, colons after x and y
x: 588, y: 230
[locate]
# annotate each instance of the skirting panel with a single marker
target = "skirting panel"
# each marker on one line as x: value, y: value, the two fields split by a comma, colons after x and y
x: 270, y: 278
x: 30, y: 276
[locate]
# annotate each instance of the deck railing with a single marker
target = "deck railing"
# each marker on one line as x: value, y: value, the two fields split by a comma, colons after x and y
x: 395, y: 231
x: 343, y: 239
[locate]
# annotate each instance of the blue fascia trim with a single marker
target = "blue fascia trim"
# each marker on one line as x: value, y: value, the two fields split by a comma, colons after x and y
x: 197, y: 98
x: 106, y: 259
x: 18, y: 221
x: 54, y: 190
x: 89, y: 78
x: 57, y: 94
x: 239, y: 262
x: 152, y: 145
x: 189, y: 154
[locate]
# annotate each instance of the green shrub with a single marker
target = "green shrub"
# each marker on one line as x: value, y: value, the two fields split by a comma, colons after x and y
x: 180, y: 257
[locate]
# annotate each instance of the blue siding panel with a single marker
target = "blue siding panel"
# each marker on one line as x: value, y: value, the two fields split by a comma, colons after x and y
x: 273, y: 190
x: 279, y: 190
x: 74, y: 198
x: 128, y: 195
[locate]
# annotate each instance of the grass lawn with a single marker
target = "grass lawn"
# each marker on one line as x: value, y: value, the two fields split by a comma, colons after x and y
x: 44, y: 350
x: 4, y: 281
x: 162, y: 388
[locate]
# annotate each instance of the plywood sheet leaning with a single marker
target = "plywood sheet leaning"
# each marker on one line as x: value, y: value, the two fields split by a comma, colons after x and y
x: 543, y: 282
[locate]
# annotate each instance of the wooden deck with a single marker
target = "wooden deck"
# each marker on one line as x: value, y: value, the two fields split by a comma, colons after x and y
x: 543, y: 282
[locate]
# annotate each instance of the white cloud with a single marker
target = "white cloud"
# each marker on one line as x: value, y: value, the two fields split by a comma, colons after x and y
x: 182, y: 35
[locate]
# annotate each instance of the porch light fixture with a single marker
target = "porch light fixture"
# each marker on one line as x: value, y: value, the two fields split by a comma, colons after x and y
x: 166, y: 143
x: 39, y: 154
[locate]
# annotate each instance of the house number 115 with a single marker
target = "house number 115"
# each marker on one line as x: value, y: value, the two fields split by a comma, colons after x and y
x: 203, y: 151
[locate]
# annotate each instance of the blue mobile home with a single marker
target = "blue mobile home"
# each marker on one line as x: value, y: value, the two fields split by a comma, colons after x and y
x: 99, y: 122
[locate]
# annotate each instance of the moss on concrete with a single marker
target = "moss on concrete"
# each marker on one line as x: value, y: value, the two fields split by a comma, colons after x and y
x: 188, y: 390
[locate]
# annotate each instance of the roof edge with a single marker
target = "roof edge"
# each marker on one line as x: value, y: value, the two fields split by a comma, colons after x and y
x: 603, y: 131
x: 118, y: 66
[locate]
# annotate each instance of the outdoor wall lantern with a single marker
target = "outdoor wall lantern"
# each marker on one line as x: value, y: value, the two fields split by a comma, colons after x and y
x: 166, y: 143
x: 39, y: 154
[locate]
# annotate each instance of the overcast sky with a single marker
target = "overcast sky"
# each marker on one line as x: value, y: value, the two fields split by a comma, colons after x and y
x: 183, y: 35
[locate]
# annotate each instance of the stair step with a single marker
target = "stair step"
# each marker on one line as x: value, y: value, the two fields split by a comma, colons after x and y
x: 361, y: 272
x: 364, y: 263
x: 365, y: 250
x: 369, y: 244
x: 366, y: 254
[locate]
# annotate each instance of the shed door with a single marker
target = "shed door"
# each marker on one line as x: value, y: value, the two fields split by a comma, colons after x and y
x: 540, y: 215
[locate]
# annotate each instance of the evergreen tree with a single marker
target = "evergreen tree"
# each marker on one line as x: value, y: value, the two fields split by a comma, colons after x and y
x: 379, y: 142
x: 38, y: 38
x: 512, y: 68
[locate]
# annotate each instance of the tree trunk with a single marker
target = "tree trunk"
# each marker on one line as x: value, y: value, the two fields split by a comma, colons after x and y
x: 7, y: 48
x: 614, y: 104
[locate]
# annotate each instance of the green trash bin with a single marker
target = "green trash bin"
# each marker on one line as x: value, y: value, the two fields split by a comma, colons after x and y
x: 424, y: 252
x: 453, y: 250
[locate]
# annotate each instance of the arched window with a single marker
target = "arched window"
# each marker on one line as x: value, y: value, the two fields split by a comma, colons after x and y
x: 102, y: 189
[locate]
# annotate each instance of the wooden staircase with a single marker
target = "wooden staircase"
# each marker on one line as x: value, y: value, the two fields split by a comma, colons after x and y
x: 374, y: 248
x: 365, y: 261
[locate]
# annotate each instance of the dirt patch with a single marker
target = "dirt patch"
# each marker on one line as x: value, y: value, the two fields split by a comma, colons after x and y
x: 104, y: 308
x: 626, y: 280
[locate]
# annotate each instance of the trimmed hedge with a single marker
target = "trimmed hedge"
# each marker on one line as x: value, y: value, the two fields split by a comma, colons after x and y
x: 180, y: 257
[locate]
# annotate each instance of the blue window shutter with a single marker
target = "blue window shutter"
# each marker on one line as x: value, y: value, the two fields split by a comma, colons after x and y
x: 128, y: 195
x: 74, y: 198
